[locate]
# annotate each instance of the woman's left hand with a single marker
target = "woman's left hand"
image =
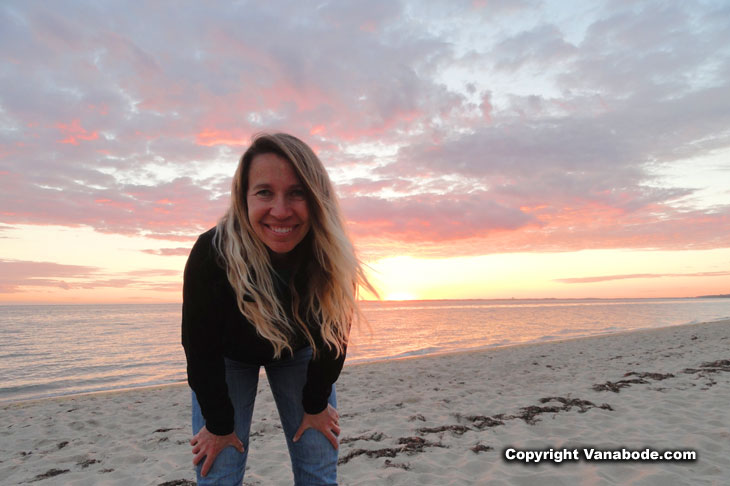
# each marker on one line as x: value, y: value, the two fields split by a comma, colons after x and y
x: 327, y: 422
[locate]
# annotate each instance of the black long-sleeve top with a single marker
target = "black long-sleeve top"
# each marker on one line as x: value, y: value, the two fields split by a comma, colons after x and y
x: 213, y: 328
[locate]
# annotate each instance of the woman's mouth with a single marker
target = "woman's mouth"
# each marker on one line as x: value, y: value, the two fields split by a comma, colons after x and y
x: 280, y: 230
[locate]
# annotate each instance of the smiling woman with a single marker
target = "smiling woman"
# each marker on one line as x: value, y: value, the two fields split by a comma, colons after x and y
x: 274, y: 284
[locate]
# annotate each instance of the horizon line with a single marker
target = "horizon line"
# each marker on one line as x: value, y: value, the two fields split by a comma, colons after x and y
x: 717, y: 296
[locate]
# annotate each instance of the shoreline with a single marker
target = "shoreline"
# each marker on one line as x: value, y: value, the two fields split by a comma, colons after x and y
x: 366, y: 361
x: 427, y: 419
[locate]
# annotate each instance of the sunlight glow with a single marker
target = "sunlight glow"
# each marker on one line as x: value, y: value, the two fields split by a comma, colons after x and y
x: 400, y: 296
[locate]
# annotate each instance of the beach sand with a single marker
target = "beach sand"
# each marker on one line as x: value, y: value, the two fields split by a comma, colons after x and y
x: 442, y: 420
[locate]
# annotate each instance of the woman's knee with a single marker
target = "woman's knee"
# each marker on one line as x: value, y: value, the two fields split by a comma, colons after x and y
x: 227, y: 469
x: 314, y: 459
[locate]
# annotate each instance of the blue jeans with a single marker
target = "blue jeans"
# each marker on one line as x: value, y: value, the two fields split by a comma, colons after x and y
x: 314, y: 460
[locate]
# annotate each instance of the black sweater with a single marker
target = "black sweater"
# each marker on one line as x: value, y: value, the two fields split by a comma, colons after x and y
x: 214, y: 328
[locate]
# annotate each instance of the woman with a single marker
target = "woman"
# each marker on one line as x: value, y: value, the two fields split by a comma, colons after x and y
x: 274, y: 284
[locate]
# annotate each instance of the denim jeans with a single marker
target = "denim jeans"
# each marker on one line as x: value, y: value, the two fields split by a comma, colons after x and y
x: 314, y: 460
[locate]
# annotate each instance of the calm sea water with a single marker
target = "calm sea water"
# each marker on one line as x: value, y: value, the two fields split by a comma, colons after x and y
x: 53, y: 350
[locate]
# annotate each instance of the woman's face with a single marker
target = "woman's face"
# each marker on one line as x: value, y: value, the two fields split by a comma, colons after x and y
x: 277, y: 203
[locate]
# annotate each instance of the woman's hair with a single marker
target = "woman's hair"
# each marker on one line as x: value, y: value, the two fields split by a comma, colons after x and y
x: 333, y: 272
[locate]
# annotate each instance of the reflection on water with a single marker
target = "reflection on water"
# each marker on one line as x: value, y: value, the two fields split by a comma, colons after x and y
x: 62, y: 349
x: 57, y: 349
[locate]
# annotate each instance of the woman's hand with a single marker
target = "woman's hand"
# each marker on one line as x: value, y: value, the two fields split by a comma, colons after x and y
x: 208, y: 445
x: 327, y: 422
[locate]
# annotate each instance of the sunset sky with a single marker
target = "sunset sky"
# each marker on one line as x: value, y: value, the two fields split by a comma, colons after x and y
x: 480, y: 149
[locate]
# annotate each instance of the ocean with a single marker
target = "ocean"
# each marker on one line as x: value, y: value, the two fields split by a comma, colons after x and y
x: 54, y: 350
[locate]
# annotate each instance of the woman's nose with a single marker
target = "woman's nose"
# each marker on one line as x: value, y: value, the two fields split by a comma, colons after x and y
x: 280, y: 208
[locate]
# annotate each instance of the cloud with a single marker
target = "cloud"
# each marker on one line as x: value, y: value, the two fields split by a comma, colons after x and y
x: 182, y: 251
x: 459, y: 128
x: 605, y: 278
x: 178, y: 210
x: 18, y: 275
x: 431, y: 218
x: 154, y: 272
x: 122, y: 103
x: 540, y: 47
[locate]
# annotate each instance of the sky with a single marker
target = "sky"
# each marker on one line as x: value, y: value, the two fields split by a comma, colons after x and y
x: 480, y: 149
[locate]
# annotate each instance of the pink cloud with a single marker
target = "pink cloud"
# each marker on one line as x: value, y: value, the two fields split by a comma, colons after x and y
x: 605, y: 278
x: 388, y: 229
x: 210, y: 137
x: 75, y: 132
x: 494, y: 165
x: 122, y: 209
x: 18, y: 275
x: 154, y: 272
x: 431, y: 218
x: 182, y: 251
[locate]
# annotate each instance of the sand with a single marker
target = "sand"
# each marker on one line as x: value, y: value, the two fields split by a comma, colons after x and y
x: 443, y: 420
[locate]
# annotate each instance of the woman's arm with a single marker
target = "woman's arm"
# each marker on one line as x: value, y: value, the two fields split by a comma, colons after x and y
x: 202, y: 337
x: 322, y: 373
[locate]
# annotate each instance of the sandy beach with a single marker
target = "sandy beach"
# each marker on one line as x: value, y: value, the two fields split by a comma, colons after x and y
x: 444, y: 420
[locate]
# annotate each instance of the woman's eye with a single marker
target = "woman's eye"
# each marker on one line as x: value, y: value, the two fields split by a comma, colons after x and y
x: 297, y: 194
x: 264, y: 193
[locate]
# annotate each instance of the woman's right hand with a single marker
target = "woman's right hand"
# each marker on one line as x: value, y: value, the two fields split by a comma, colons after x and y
x: 208, y: 445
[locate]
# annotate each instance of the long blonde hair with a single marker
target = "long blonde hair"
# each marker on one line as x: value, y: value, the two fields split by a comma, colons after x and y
x: 334, y: 273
